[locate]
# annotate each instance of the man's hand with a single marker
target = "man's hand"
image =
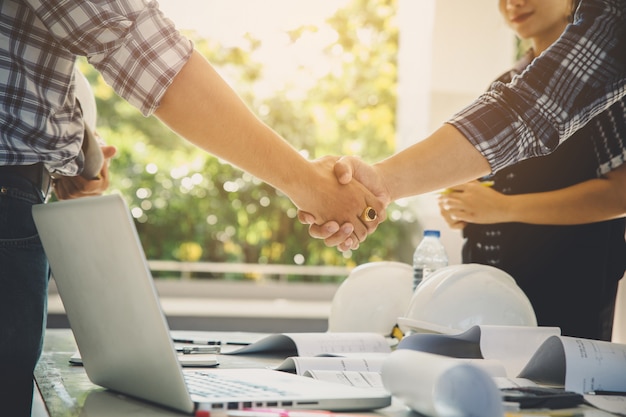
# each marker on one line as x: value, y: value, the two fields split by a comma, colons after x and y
x: 66, y: 188
x: 325, y: 202
x: 346, y: 169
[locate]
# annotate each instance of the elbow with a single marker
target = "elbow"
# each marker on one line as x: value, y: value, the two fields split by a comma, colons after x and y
x: 622, y: 203
x: 617, y: 178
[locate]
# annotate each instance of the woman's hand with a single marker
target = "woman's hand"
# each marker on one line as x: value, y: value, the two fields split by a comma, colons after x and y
x: 473, y: 202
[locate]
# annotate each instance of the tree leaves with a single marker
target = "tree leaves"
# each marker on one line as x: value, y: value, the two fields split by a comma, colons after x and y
x: 191, y: 206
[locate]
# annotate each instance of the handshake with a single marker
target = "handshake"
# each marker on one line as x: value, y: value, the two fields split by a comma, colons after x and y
x: 346, y: 206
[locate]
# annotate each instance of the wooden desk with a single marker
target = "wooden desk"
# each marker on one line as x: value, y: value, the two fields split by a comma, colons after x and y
x: 67, y: 392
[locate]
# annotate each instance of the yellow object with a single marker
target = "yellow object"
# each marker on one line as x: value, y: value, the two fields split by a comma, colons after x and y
x: 397, y: 333
x: 483, y: 183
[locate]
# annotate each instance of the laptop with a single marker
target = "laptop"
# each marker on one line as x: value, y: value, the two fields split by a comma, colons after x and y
x: 121, y: 332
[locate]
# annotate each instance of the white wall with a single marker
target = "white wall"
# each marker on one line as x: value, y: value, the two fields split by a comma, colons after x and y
x: 450, y: 51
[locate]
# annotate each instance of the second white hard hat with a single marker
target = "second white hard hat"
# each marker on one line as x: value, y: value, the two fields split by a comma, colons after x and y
x: 457, y: 297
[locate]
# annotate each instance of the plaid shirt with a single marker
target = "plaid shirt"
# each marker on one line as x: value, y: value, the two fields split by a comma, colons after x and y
x: 579, y: 77
x: 136, y: 49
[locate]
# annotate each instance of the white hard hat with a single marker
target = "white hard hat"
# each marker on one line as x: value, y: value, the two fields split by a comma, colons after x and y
x: 455, y: 298
x: 86, y: 98
x: 92, y: 154
x: 372, y: 298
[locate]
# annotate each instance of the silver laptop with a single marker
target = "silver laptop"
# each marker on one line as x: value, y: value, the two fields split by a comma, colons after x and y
x: 113, y: 309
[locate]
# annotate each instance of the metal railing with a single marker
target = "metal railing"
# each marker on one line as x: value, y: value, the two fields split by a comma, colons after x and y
x: 184, y: 270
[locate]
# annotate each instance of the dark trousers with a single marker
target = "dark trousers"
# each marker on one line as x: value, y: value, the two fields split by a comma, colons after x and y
x: 24, y: 275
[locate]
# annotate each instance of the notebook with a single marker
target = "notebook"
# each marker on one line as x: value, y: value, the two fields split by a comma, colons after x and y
x: 113, y: 309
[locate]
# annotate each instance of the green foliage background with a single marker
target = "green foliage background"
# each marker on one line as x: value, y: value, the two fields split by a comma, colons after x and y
x: 190, y: 206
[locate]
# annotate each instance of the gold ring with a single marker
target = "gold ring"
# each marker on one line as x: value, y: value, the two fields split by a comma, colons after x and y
x: 369, y: 214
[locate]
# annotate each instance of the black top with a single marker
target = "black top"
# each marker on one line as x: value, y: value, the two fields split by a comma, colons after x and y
x: 569, y: 273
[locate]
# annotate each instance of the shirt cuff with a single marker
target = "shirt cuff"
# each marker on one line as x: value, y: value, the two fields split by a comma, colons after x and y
x: 144, y: 65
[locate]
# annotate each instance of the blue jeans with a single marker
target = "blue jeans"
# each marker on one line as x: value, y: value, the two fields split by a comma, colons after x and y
x: 24, y: 275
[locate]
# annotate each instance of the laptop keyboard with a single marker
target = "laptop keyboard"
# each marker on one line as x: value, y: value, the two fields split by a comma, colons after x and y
x: 211, y: 386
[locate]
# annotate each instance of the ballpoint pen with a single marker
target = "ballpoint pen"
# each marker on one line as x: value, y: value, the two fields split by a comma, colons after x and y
x: 544, y: 413
x: 197, y: 341
x: 186, y: 350
x: 282, y: 412
x: 604, y: 392
x: 208, y: 342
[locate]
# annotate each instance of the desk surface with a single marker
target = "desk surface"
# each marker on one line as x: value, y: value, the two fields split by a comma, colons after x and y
x: 67, y: 392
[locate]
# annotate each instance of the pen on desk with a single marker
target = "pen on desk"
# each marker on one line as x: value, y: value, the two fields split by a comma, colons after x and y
x: 601, y: 392
x: 186, y: 350
x: 198, y: 341
x: 544, y: 413
x: 277, y: 412
x: 287, y: 412
x: 208, y: 342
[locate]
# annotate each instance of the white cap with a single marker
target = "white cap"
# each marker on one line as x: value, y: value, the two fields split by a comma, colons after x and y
x: 371, y: 298
x: 92, y: 154
x: 457, y: 297
x: 86, y: 98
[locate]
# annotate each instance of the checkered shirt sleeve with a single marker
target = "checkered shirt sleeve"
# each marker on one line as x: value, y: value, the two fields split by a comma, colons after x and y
x: 135, y: 47
x: 576, y: 79
x: 137, y: 50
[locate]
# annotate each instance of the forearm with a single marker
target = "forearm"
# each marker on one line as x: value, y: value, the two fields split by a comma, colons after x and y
x: 203, y: 109
x: 590, y: 201
x: 443, y: 159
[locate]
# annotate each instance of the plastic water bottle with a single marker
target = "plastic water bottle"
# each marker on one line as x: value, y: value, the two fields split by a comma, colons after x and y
x: 429, y: 255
